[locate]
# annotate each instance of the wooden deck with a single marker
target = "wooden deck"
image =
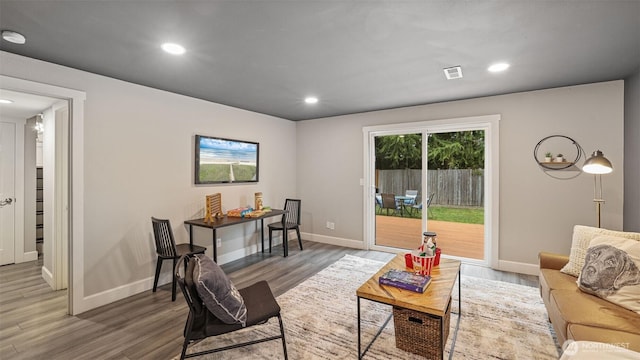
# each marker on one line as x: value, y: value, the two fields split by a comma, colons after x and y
x: 456, y: 239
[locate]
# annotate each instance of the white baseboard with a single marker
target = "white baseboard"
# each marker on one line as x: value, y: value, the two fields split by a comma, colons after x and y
x: 30, y: 256
x: 518, y: 267
x: 121, y: 292
x: 356, y: 244
x: 48, y: 277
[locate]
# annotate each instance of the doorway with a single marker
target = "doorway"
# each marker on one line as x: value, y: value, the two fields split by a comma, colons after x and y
x: 40, y: 142
x: 453, y: 172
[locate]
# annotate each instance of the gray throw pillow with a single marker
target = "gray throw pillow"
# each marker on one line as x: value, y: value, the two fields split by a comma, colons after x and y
x: 218, y: 293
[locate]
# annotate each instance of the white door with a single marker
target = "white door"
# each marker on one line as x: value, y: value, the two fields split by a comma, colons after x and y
x: 7, y: 192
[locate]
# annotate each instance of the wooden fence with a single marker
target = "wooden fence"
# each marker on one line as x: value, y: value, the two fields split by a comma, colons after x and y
x: 458, y: 187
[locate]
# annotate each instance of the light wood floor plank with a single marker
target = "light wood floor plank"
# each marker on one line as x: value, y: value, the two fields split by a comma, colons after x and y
x: 33, y: 323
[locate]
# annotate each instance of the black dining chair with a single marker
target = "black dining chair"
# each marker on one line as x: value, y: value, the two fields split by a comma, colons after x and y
x: 166, y: 249
x: 290, y: 220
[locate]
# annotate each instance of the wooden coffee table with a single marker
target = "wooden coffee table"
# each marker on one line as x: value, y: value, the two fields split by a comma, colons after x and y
x: 434, y: 301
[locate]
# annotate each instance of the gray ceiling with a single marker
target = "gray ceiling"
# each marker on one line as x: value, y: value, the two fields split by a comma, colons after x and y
x: 355, y: 56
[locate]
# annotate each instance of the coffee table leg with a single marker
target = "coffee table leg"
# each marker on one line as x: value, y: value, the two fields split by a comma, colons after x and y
x: 455, y: 332
x: 359, y: 357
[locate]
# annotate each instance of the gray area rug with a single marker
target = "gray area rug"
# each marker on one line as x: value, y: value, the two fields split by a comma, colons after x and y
x: 499, y: 321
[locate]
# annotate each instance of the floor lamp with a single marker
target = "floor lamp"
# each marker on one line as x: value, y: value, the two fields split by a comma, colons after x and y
x: 597, y: 165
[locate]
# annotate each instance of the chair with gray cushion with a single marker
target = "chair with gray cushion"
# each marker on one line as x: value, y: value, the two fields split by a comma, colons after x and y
x: 290, y: 221
x: 216, y: 307
x: 166, y: 249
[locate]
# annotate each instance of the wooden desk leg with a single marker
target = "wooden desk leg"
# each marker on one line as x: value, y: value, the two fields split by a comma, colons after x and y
x: 262, y: 234
x: 215, y: 246
x: 190, y: 234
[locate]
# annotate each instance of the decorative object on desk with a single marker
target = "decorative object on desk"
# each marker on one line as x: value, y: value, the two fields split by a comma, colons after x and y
x: 219, y: 160
x: 548, y: 156
x: 258, y: 202
x: 559, y: 158
x: 213, y: 207
x: 239, y: 212
x: 597, y: 165
x: 255, y: 213
x: 405, y: 280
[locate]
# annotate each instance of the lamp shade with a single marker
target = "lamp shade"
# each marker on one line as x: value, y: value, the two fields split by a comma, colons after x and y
x: 597, y: 164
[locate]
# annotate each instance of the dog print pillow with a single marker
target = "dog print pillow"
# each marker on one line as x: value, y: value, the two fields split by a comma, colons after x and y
x: 612, y: 271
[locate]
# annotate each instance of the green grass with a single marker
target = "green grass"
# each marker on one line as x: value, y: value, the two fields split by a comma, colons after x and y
x: 454, y: 214
x: 220, y: 172
x: 461, y: 215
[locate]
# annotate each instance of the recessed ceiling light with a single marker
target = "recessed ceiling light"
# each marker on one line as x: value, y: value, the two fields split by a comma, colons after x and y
x: 311, y: 100
x: 13, y: 37
x: 498, y: 67
x: 6, y: 101
x: 174, y: 49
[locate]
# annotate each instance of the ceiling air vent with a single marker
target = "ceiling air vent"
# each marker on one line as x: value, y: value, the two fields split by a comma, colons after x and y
x: 454, y: 72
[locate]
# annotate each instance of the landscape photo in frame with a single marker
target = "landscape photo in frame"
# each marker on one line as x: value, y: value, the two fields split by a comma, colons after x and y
x: 219, y: 160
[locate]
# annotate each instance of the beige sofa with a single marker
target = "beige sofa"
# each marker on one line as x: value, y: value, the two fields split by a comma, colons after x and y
x: 576, y: 315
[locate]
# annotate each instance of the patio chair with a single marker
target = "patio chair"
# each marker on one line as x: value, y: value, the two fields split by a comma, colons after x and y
x: 412, y: 195
x: 389, y: 203
x: 429, y: 201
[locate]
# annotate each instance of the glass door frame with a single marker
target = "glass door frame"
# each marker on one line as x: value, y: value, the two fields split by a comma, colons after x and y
x: 489, y: 124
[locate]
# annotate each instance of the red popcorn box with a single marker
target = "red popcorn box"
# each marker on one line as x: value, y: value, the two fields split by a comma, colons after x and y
x: 422, y: 264
x: 408, y: 260
x: 436, y: 261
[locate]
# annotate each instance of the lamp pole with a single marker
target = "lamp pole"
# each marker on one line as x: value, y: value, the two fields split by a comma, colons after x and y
x: 597, y: 165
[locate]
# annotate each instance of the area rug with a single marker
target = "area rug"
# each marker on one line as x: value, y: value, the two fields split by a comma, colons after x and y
x: 499, y: 321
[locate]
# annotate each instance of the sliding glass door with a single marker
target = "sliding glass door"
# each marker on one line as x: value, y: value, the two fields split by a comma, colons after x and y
x: 398, y: 181
x: 428, y: 177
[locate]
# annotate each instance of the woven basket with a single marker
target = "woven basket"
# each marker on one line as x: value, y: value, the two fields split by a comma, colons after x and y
x: 419, y: 333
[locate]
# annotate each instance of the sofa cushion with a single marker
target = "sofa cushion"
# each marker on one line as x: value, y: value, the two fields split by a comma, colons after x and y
x: 612, y: 271
x: 597, y: 350
x: 582, y: 236
x: 217, y: 292
x: 609, y: 336
x: 577, y: 307
x: 553, y: 280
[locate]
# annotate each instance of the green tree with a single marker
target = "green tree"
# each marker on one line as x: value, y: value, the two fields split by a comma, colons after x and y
x: 399, y: 152
x: 456, y: 150
x: 451, y: 150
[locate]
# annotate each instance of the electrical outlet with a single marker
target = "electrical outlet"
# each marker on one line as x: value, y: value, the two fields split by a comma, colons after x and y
x: 219, y: 242
x: 331, y: 225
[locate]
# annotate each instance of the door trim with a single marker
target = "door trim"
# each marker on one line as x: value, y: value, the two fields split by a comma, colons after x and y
x: 76, y: 99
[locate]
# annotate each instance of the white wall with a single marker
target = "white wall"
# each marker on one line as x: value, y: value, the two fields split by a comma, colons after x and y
x: 138, y: 163
x: 632, y: 152
x: 537, y: 212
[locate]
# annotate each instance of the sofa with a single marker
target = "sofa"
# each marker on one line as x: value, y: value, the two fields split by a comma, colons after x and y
x: 579, y: 316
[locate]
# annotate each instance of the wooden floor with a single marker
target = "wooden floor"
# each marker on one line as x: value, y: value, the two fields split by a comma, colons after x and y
x: 455, y: 239
x: 33, y: 323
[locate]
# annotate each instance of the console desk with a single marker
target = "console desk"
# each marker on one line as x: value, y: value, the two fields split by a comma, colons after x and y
x: 229, y: 221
